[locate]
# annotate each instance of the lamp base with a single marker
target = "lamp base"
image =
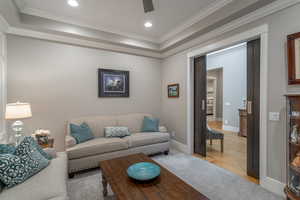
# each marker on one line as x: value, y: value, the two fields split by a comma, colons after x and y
x: 17, y: 127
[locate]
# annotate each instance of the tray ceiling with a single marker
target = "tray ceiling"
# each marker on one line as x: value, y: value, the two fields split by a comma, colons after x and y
x: 124, y: 17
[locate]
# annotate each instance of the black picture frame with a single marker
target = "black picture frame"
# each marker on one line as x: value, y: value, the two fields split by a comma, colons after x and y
x: 173, y: 90
x: 113, y: 83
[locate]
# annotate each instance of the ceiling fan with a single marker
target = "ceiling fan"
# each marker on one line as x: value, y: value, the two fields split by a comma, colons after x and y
x: 148, y: 6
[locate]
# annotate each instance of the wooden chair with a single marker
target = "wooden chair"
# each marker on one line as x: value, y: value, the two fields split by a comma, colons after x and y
x: 215, y: 135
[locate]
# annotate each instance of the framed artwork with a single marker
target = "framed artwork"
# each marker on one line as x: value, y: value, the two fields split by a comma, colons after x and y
x: 113, y: 83
x: 293, y: 47
x: 173, y: 91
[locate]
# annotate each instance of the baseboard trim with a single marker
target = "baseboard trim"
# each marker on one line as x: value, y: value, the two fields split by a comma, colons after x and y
x: 231, y: 128
x: 273, y: 186
x: 179, y: 146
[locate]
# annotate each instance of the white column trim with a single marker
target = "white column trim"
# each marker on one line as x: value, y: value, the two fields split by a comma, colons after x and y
x: 262, y: 32
x: 3, y: 85
x: 3, y: 24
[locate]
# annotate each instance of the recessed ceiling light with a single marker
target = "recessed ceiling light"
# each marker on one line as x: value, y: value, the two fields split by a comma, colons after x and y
x: 73, y: 3
x: 148, y: 24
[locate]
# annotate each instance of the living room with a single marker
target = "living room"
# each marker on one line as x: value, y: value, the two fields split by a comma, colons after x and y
x: 125, y: 73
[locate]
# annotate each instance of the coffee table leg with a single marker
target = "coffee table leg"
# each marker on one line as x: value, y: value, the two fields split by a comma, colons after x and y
x: 104, y: 183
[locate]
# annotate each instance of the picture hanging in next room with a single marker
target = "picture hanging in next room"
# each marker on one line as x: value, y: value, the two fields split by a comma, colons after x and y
x: 113, y: 83
x: 173, y: 90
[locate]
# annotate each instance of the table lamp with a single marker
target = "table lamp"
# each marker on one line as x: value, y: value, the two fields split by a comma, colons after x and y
x: 18, y: 111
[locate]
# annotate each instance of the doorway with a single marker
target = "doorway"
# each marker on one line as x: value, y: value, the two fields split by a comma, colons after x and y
x: 237, y: 128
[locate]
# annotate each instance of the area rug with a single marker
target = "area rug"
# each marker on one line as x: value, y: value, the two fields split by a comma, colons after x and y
x: 212, y: 181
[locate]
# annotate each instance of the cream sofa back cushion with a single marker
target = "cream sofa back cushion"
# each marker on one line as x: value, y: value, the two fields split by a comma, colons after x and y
x: 133, y: 121
x: 96, y: 123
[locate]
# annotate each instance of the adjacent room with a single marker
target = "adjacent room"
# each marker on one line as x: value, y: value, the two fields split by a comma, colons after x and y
x: 149, y: 100
x: 226, y: 109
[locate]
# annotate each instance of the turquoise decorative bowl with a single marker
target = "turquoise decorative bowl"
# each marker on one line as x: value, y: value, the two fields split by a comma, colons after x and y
x: 143, y: 171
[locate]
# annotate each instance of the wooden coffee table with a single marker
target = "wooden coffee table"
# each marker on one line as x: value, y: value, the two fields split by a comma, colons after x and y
x: 167, y: 186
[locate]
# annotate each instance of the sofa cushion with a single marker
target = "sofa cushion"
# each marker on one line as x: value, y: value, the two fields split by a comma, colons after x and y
x: 142, y: 139
x: 96, y: 123
x: 49, y: 183
x: 96, y: 146
x: 132, y: 121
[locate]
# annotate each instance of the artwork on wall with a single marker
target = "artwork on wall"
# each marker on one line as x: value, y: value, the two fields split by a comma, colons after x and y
x: 293, y: 47
x: 173, y: 90
x: 113, y: 83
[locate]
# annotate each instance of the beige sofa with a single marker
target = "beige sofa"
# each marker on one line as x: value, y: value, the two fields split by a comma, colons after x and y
x: 48, y: 184
x: 88, y: 154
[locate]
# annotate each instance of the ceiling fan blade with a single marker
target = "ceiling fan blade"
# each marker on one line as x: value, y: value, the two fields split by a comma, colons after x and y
x: 148, y: 5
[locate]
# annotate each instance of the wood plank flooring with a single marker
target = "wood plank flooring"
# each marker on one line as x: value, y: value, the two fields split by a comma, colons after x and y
x: 234, y: 157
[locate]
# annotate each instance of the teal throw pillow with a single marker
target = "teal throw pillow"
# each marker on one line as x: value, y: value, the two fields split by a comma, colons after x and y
x: 81, y: 133
x: 150, y: 124
x: 23, y: 164
x: 7, y: 149
x: 32, y: 142
x: 116, y: 131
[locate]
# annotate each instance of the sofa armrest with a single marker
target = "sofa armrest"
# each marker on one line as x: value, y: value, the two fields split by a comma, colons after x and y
x: 163, y: 129
x: 70, y: 141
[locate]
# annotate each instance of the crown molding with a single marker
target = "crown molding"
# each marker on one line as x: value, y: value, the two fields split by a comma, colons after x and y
x: 193, y: 20
x: 251, y: 17
x: 81, y: 42
x: 3, y: 24
x: 160, y: 53
x: 47, y: 15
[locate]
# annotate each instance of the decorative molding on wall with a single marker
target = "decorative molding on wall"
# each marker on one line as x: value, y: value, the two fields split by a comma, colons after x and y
x: 81, y: 42
x: 193, y: 20
x: 262, y: 32
x: 179, y: 146
x: 251, y: 17
x: 231, y: 128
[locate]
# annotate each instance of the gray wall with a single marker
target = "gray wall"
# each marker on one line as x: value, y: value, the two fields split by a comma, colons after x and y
x: 60, y: 82
x: 234, y: 65
x: 218, y: 74
x: 280, y: 25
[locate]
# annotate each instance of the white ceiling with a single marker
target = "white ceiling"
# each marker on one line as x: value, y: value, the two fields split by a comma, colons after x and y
x: 125, y: 17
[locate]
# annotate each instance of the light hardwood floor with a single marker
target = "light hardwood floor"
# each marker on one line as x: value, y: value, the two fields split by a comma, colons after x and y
x: 234, y: 157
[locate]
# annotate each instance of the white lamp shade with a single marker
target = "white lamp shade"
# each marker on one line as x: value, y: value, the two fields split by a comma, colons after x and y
x: 18, y: 111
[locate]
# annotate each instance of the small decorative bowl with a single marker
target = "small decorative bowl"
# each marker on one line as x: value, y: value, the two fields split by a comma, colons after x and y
x: 143, y: 171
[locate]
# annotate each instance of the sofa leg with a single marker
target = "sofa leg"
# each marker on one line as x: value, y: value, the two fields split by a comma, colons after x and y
x: 166, y: 152
x: 71, y: 175
x: 222, y: 145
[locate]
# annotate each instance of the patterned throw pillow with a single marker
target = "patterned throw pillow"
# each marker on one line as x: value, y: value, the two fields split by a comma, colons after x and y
x: 32, y: 142
x: 116, y: 131
x: 81, y: 133
x: 150, y: 124
x: 26, y: 162
x: 6, y: 149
